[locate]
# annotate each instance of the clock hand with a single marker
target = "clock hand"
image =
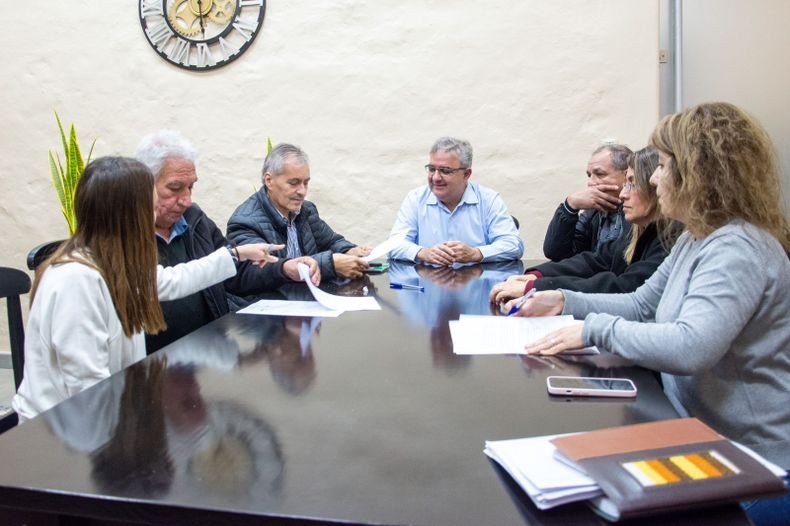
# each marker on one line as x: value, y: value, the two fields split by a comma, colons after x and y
x: 202, y: 24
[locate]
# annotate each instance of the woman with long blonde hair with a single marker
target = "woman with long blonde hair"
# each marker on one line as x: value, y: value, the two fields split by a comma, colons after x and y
x: 96, y: 295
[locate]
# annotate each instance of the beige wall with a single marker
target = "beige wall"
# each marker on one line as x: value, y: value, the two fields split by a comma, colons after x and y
x: 742, y: 55
x: 363, y: 87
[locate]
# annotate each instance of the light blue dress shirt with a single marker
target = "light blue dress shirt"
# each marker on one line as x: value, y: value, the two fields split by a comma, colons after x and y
x: 480, y: 220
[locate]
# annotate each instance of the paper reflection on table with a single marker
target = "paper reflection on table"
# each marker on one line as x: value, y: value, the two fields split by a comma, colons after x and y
x: 449, y: 292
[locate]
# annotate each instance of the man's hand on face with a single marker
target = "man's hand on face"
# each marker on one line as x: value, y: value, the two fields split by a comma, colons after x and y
x: 349, y: 266
x: 291, y: 270
x: 360, y: 251
x: 602, y: 197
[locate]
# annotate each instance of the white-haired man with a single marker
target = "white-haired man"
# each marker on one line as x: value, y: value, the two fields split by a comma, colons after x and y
x: 184, y: 232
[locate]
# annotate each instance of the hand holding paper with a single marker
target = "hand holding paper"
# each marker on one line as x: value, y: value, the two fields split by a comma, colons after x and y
x: 382, y: 249
x: 341, y: 303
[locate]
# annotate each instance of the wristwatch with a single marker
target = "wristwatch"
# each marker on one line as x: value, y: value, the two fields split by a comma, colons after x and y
x: 234, y: 253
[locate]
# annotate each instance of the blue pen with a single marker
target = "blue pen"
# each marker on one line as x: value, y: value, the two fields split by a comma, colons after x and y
x: 520, y: 303
x: 406, y: 286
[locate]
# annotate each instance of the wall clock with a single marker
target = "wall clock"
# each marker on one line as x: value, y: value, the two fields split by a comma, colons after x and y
x: 201, y: 34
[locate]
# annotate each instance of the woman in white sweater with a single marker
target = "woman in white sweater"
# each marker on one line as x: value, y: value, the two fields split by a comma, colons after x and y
x: 715, y: 317
x: 94, y: 298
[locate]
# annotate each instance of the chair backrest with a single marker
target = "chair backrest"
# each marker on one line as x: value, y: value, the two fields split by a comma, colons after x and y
x: 37, y: 256
x: 14, y: 283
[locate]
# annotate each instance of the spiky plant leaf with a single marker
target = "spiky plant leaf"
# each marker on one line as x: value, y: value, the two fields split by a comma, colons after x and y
x: 66, y: 176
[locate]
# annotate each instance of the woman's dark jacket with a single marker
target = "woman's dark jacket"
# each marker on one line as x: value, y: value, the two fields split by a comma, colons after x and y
x: 605, y: 271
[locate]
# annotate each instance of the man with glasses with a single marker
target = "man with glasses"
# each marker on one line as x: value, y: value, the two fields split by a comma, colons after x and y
x: 451, y: 219
x: 590, y: 217
x: 280, y: 211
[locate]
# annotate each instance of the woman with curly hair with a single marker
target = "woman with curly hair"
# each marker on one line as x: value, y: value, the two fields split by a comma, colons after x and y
x: 715, y: 317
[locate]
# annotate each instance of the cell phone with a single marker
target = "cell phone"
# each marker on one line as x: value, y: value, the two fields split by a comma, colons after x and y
x: 377, y: 268
x: 588, y: 386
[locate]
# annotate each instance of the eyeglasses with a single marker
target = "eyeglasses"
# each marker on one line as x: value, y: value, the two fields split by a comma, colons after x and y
x: 628, y: 186
x: 444, y: 170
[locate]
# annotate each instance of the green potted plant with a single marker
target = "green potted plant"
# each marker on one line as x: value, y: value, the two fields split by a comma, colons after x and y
x: 64, y: 178
x: 66, y: 175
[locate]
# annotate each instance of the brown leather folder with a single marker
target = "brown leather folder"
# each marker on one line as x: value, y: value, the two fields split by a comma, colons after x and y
x: 664, y: 466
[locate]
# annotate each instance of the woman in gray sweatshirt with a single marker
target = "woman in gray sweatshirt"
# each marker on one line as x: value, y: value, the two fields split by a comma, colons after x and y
x: 715, y: 317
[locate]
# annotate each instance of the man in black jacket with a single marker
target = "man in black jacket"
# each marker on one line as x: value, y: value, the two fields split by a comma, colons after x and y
x: 184, y: 232
x: 590, y: 217
x: 279, y: 214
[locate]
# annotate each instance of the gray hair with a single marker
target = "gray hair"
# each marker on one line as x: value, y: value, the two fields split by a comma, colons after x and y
x: 282, y: 154
x: 620, y: 155
x: 157, y: 147
x: 459, y: 147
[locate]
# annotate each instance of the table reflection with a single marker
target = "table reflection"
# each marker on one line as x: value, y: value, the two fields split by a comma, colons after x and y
x: 449, y: 292
x: 154, y: 435
x: 285, y: 343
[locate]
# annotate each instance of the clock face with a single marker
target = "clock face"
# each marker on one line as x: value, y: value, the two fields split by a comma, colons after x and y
x: 201, y: 34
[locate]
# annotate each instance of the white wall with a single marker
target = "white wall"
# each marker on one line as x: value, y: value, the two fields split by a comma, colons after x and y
x: 363, y: 87
x: 739, y: 51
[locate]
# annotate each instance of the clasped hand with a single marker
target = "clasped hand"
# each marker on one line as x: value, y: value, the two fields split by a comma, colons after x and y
x: 448, y: 253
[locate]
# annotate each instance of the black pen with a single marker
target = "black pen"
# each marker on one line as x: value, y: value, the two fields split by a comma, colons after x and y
x: 406, y: 286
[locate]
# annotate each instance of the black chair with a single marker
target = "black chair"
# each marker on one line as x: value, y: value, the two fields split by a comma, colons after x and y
x: 37, y: 256
x: 14, y: 283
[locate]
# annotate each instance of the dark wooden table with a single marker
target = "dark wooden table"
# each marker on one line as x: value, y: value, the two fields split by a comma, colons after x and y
x: 366, y: 418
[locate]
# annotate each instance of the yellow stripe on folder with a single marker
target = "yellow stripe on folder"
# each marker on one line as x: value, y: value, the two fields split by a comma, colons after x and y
x: 688, y: 467
x: 704, y: 465
x: 651, y: 473
x: 662, y: 470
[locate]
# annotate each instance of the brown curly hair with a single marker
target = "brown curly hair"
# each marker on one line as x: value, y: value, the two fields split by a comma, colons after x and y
x: 722, y: 167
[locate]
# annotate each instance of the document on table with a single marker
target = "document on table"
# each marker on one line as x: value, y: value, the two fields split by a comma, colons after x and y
x: 532, y: 464
x: 307, y: 309
x: 474, y: 334
x: 333, y: 302
x: 382, y: 249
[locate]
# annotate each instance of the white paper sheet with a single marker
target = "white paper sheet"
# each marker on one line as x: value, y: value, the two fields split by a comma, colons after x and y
x: 333, y: 302
x: 382, y: 249
x: 547, y: 481
x: 474, y: 334
x: 308, y: 309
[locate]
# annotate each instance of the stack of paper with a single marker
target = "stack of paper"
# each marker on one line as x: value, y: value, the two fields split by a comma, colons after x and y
x: 473, y: 334
x: 307, y: 309
x: 547, y: 481
x: 326, y: 305
x: 639, y: 469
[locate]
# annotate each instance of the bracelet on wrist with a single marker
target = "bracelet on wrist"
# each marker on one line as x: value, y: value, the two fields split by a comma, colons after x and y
x: 569, y: 208
x: 234, y: 253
